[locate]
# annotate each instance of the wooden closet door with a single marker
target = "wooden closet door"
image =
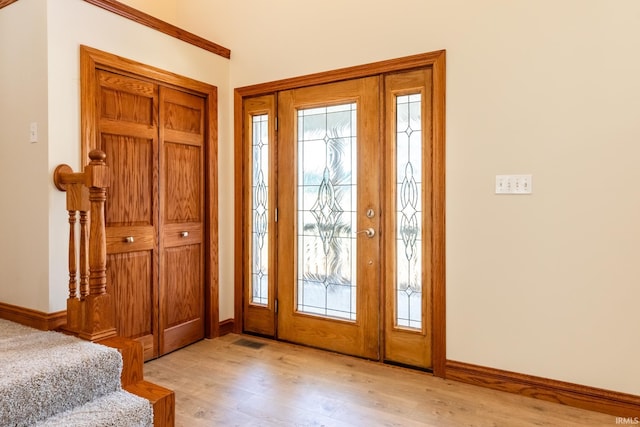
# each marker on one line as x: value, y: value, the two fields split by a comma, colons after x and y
x: 128, y: 133
x: 182, y: 133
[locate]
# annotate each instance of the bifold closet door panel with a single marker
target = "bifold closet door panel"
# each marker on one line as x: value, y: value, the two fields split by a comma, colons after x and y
x: 182, y: 135
x: 127, y: 116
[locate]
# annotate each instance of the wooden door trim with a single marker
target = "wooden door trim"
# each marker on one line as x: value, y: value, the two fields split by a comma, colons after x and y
x: 92, y: 60
x: 436, y: 60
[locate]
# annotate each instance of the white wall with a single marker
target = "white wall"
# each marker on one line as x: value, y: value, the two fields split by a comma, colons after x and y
x: 24, y: 274
x: 40, y: 81
x: 547, y: 284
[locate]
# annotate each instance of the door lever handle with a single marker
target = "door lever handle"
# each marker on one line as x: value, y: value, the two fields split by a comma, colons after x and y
x: 369, y: 232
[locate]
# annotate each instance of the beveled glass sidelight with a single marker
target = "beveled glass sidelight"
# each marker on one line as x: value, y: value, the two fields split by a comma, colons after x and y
x: 260, y: 209
x: 409, y: 211
x: 326, y: 278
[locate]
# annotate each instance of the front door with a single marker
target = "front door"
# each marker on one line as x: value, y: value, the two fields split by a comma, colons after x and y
x: 329, y: 216
x: 343, y: 214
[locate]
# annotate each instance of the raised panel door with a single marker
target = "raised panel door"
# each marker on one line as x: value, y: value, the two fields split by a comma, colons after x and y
x: 182, y: 133
x: 128, y: 134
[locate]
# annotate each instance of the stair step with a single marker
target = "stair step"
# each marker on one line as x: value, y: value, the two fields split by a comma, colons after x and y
x: 132, y: 357
x: 162, y: 399
x: 119, y: 408
x: 44, y: 373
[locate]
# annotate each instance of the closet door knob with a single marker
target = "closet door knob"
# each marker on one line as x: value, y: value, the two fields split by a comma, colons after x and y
x: 128, y: 239
x: 184, y: 234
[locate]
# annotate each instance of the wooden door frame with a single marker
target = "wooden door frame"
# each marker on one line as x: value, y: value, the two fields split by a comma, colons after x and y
x: 435, y: 60
x: 92, y: 60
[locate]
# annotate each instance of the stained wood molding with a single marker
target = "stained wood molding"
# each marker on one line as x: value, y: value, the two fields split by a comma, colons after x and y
x: 579, y: 396
x: 147, y: 20
x: 435, y: 59
x: 50, y: 321
x: 35, y: 319
x: 159, y: 25
x: 226, y: 327
x: 5, y: 3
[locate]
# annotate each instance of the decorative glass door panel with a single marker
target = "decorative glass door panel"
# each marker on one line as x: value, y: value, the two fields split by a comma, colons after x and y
x: 327, y: 194
x: 328, y: 272
x: 408, y: 247
x: 260, y: 209
x: 408, y: 234
x: 259, y: 307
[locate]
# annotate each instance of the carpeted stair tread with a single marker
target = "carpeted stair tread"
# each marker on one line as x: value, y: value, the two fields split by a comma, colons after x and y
x: 117, y: 409
x: 45, y: 373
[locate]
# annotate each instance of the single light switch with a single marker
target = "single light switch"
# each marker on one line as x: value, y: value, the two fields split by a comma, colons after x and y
x: 33, y: 132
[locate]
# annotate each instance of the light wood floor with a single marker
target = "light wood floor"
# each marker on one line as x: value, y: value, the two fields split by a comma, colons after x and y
x: 223, y: 383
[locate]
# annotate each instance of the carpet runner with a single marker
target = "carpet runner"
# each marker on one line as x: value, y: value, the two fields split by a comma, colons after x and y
x: 52, y: 379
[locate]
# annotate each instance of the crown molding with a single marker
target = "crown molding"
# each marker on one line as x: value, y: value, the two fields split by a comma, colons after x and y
x: 147, y: 20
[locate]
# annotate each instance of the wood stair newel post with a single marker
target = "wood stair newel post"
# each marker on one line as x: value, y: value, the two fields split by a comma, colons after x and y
x: 90, y: 312
x: 99, y: 315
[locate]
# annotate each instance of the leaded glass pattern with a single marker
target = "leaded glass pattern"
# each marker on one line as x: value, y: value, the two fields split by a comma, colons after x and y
x: 326, y: 278
x: 409, y: 211
x: 260, y: 209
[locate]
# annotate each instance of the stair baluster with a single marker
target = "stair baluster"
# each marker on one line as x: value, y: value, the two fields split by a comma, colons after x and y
x: 84, y: 254
x: 73, y: 306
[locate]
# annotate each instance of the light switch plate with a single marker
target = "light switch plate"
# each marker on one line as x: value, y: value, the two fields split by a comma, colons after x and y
x: 33, y: 132
x: 514, y: 184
